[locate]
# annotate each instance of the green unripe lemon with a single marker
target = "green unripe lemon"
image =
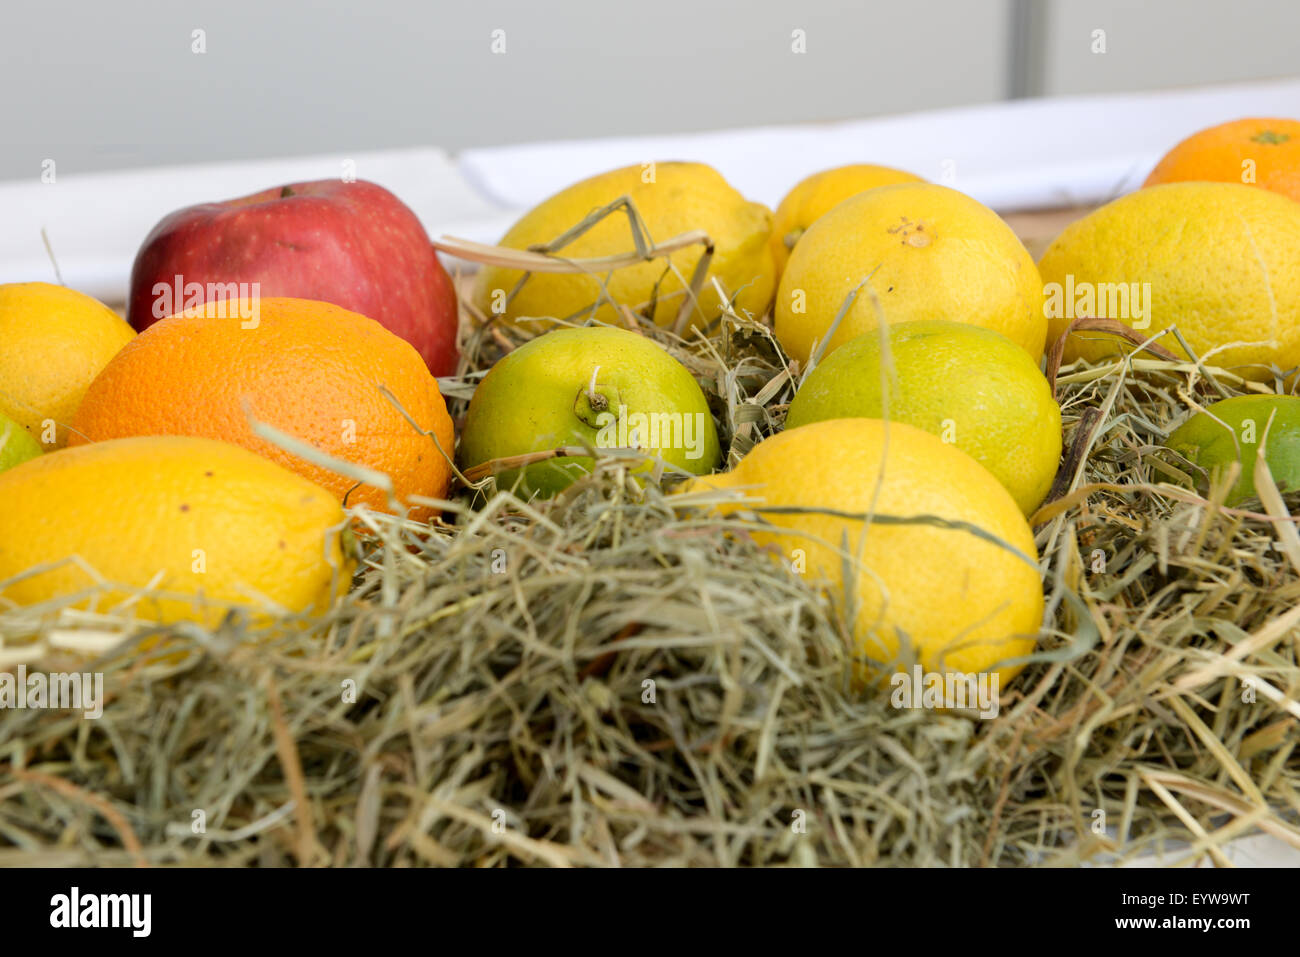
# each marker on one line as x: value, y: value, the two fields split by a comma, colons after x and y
x: 597, y: 387
x: 974, y: 388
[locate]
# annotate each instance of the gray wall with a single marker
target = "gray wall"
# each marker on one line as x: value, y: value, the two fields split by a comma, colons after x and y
x: 99, y: 85
x: 1167, y: 43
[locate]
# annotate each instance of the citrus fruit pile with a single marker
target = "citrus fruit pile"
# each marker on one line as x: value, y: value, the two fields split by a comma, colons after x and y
x: 680, y: 505
x: 221, y: 457
x: 209, y: 458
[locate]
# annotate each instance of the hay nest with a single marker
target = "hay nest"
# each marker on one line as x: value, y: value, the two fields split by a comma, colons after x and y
x: 611, y: 679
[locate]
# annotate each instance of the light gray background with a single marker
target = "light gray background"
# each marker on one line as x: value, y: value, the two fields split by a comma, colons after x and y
x: 98, y: 85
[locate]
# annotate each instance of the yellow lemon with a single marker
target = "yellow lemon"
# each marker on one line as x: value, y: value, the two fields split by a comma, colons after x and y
x: 816, y: 195
x: 672, y: 198
x: 974, y: 388
x: 53, y: 342
x: 956, y: 598
x: 924, y: 252
x: 210, y: 524
x: 1221, y: 261
x: 591, y: 387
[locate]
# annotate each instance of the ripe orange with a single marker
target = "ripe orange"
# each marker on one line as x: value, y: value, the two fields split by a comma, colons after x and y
x: 309, y: 369
x: 1258, y: 152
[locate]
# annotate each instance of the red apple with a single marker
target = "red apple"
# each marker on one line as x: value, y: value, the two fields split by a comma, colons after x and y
x: 353, y: 244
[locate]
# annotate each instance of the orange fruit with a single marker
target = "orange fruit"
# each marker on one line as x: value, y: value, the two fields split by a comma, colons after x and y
x: 1258, y: 152
x: 310, y: 369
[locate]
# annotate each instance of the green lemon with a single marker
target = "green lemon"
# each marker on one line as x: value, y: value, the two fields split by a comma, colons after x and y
x: 1231, y: 430
x: 974, y: 388
x: 16, y: 444
x: 595, y: 387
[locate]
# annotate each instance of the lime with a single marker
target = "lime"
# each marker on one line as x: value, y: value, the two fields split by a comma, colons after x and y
x: 1231, y: 430
x: 596, y: 387
x: 16, y: 444
x: 973, y: 388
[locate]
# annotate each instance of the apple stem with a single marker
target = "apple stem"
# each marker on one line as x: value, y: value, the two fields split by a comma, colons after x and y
x: 286, y: 192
